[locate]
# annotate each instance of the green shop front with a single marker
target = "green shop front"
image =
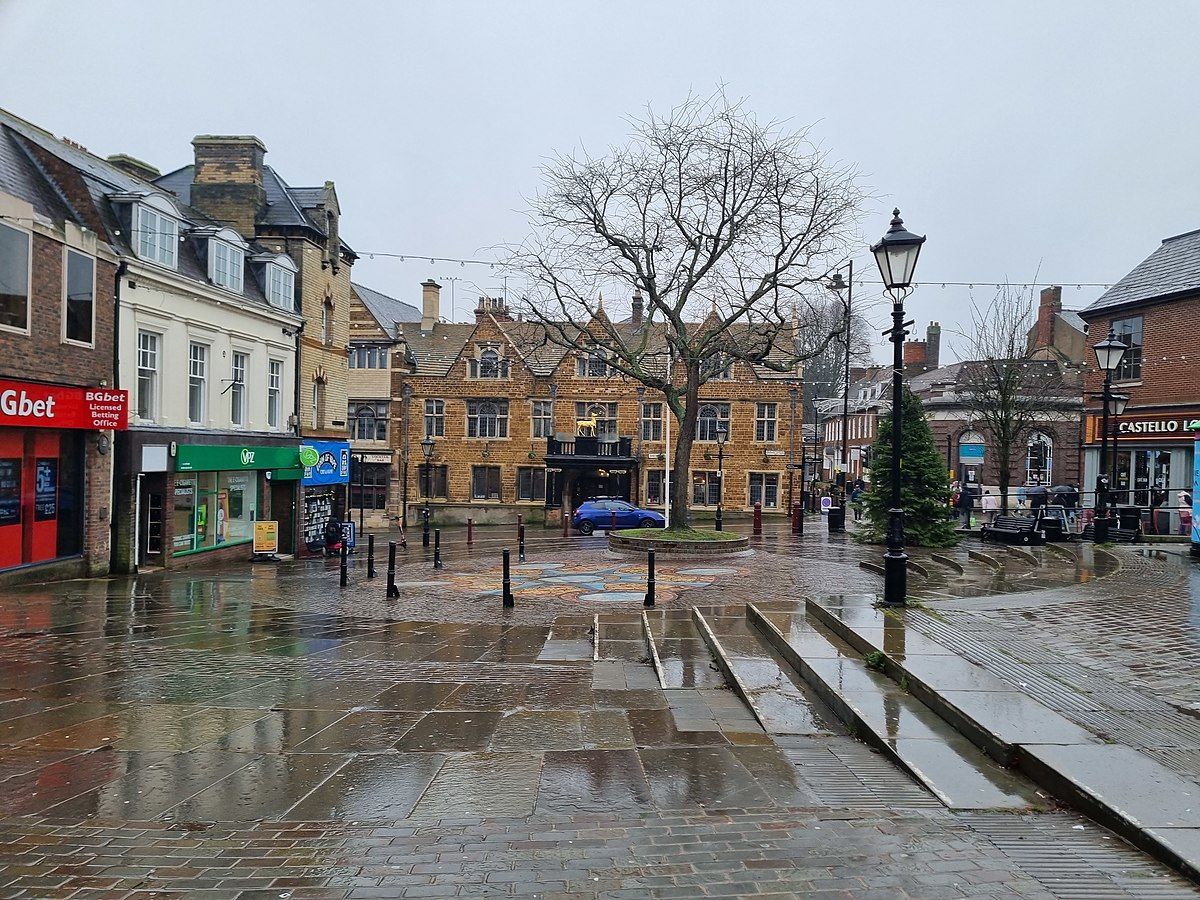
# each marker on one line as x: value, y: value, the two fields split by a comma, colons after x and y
x: 219, y: 492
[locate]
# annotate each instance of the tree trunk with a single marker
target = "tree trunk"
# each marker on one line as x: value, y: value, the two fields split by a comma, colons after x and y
x: 1004, y: 462
x: 681, y: 464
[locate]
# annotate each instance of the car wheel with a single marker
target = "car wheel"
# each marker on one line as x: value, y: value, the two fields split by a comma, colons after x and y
x: 647, y: 523
x: 585, y: 527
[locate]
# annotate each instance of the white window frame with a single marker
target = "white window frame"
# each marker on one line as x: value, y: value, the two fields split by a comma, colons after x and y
x: 541, y: 413
x: 724, y: 414
x: 66, y: 263
x: 768, y: 425
x: 165, y: 243
x: 154, y: 376
x: 237, y: 390
x: 652, y: 422
x: 762, y: 488
x: 28, y: 279
x: 228, y: 272
x: 435, y: 418
x: 475, y: 421
x: 274, y: 392
x: 202, y: 378
x: 281, y: 287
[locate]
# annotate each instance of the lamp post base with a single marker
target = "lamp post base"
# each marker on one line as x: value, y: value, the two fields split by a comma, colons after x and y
x: 895, y: 562
x: 720, y: 520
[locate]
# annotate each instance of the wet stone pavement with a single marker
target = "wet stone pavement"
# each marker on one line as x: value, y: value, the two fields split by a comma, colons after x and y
x: 257, y: 732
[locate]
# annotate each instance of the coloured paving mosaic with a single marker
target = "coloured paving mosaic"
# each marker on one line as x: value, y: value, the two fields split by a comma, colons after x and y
x: 589, y: 583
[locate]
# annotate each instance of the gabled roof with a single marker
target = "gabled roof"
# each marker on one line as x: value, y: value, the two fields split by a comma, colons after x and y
x: 386, y: 310
x: 1073, y: 319
x: 435, y: 352
x: 1172, y: 269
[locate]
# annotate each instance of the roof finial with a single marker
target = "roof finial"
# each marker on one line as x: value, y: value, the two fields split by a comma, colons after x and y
x: 601, y: 309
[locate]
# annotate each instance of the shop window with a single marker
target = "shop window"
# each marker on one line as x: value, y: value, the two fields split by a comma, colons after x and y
x: 369, y: 485
x: 487, y: 418
x: 764, y: 489
x: 711, y: 416
x: 766, y: 416
x: 706, y: 489
x: 652, y: 421
x: 485, y: 483
x: 79, y: 302
x: 368, y: 421
x: 602, y: 415
x: 147, y: 375
x: 14, y: 278
x: 435, y: 418
x: 1129, y: 332
x: 542, y: 417
x: 213, y: 509
x: 237, y: 389
x: 274, y: 391
x: 433, y: 481
x: 531, y: 483
x: 197, y: 382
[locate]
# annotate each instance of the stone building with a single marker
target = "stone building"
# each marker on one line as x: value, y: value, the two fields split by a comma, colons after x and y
x: 1155, y: 311
x: 230, y: 182
x: 503, y: 411
x: 375, y: 323
x: 60, y: 407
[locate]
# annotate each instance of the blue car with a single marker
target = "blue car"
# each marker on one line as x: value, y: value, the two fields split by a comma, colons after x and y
x: 598, y: 513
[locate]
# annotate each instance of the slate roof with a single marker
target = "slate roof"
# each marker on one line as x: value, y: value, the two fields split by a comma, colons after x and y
x: 286, y: 205
x: 386, y: 310
x: 22, y: 176
x: 1072, y: 318
x: 1172, y: 269
x: 435, y: 352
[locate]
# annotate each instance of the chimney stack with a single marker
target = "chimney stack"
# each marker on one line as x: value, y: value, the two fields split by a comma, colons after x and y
x: 1049, y: 307
x: 914, y: 358
x: 494, y: 305
x: 131, y: 165
x: 431, y: 304
x: 227, y: 179
x: 638, y: 306
x: 933, y: 346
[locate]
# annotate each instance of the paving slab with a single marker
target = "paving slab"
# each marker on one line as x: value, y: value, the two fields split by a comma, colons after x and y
x: 592, y: 781
x: 482, y: 785
x: 375, y: 787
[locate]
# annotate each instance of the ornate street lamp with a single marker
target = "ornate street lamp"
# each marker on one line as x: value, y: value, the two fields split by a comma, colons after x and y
x: 837, y: 517
x: 1116, y: 407
x: 1109, y: 353
x: 427, y: 448
x: 722, y: 437
x: 896, y: 254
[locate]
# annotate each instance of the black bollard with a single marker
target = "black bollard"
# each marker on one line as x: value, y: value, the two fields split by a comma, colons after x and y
x: 508, y: 597
x: 345, y: 574
x: 425, y: 527
x: 521, y: 543
x: 437, y: 548
x: 370, y: 556
x: 649, y: 601
x: 392, y: 590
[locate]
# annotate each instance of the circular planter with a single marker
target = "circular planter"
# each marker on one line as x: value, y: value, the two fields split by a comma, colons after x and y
x: 677, y: 547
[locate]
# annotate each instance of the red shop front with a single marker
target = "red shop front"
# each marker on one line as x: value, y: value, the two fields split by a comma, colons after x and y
x: 47, y: 433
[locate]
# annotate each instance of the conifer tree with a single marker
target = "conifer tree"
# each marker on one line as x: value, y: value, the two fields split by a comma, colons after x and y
x: 924, y: 482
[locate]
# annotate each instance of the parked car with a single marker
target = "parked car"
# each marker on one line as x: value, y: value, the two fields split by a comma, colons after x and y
x: 598, y: 513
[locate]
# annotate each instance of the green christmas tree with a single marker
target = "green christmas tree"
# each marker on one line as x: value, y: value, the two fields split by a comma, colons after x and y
x: 924, y: 482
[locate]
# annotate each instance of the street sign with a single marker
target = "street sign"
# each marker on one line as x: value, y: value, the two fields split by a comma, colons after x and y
x: 794, y: 467
x: 348, y: 534
x: 266, y: 536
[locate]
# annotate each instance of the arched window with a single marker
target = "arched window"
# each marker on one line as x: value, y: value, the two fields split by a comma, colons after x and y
x: 370, y: 422
x: 1039, y: 458
x: 710, y: 416
x: 489, y: 364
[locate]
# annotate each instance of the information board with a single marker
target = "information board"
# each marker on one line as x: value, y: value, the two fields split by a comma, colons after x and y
x: 266, y: 536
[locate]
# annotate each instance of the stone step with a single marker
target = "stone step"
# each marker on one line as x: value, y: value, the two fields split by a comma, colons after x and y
x: 680, y: 655
x: 884, y: 715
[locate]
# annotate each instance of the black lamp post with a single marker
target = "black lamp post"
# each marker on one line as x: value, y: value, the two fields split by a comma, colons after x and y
x: 1119, y: 402
x: 793, y: 393
x: 896, y: 254
x: 1109, y: 353
x: 722, y: 436
x: 837, y: 519
x: 427, y: 449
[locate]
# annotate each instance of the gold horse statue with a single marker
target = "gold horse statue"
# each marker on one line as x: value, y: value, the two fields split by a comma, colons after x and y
x: 586, y: 427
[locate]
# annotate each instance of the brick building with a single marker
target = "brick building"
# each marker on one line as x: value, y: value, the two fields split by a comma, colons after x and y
x: 229, y: 181
x: 375, y: 323
x: 59, y: 407
x: 1155, y: 310
x: 503, y: 409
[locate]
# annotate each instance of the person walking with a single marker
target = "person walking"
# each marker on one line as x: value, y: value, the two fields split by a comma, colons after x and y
x: 1022, y: 493
x: 991, y: 505
x: 1185, y: 512
x: 856, y: 500
x: 965, y: 503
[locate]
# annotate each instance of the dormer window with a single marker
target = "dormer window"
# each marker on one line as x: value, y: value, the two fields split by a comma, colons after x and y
x: 281, y: 287
x: 489, y: 364
x: 718, y: 367
x: 593, y: 364
x: 225, y: 265
x: 157, y: 237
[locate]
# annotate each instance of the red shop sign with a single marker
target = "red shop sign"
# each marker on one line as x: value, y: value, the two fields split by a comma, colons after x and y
x: 59, y: 406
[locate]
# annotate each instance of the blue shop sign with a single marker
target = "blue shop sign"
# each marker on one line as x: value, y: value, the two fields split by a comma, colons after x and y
x: 332, y: 463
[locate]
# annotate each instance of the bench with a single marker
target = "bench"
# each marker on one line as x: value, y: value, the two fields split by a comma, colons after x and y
x: 1115, y: 535
x: 1014, y: 530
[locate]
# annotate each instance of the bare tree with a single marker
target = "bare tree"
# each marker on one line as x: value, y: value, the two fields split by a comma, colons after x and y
x: 825, y: 361
x: 725, y: 226
x: 1007, y: 389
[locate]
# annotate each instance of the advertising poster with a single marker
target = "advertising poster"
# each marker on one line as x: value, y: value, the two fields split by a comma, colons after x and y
x: 266, y: 536
x: 10, y: 491
x: 45, y: 490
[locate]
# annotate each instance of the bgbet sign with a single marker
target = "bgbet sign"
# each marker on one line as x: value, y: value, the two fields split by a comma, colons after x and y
x: 31, y: 405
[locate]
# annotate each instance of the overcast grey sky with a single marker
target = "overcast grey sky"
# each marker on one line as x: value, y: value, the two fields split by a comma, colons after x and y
x: 1049, y: 138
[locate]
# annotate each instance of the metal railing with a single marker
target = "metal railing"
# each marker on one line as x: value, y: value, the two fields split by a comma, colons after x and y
x: 605, y: 447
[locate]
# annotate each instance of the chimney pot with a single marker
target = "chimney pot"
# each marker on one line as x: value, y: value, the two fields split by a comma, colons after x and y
x: 431, y: 304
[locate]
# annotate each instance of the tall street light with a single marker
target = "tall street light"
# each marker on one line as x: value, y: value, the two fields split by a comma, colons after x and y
x: 837, y: 517
x: 1109, y: 353
x: 722, y: 437
x: 793, y: 394
x: 427, y: 449
x: 896, y: 254
x: 1119, y: 402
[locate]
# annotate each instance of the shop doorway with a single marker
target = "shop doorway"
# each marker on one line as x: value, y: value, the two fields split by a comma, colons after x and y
x: 283, y: 511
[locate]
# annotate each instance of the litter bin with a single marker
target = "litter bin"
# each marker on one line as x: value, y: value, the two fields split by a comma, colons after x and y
x: 837, y: 518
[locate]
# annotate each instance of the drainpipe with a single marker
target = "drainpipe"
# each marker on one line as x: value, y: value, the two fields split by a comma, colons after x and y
x: 113, y: 518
